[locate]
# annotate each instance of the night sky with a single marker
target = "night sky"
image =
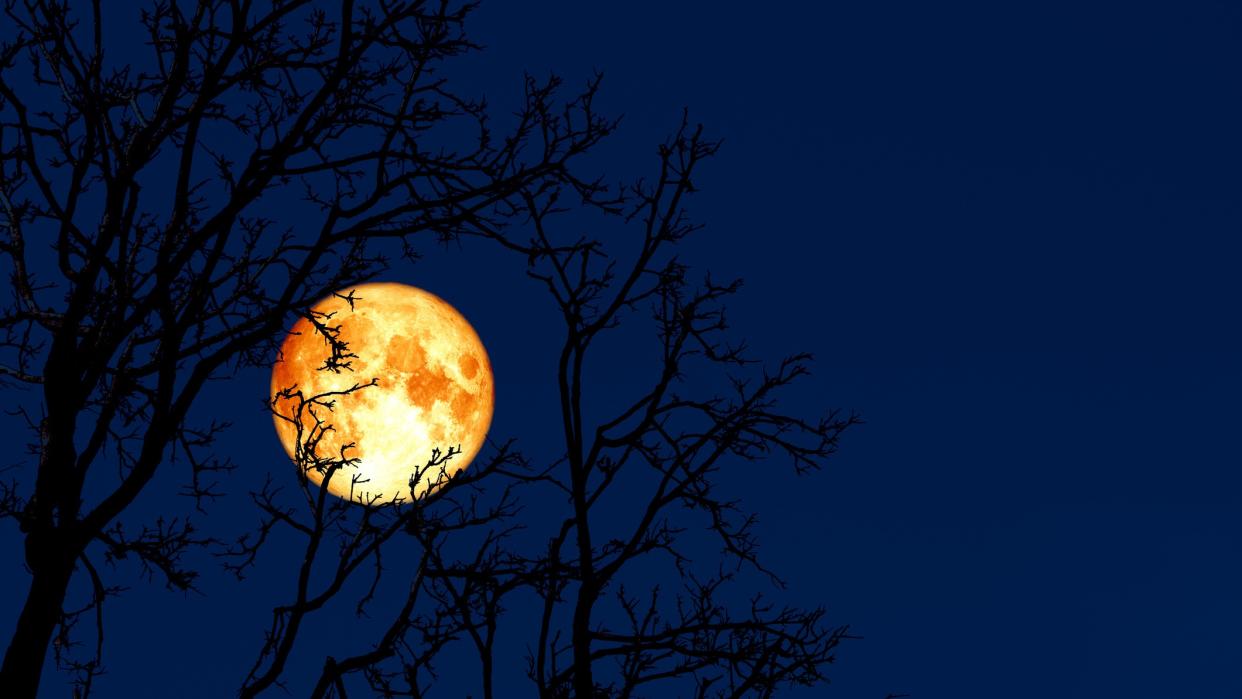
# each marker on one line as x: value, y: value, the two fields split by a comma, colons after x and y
x: 1009, y: 232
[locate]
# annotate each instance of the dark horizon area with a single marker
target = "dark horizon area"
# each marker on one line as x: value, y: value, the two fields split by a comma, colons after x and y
x: 1008, y: 232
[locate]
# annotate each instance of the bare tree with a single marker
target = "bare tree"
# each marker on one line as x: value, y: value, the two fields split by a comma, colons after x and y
x: 672, y: 441
x: 602, y: 632
x: 162, y: 184
x: 147, y: 205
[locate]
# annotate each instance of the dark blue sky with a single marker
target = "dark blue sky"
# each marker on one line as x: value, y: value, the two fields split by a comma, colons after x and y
x: 1009, y: 232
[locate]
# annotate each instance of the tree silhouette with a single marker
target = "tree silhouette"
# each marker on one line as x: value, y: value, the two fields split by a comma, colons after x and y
x: 147, y: 206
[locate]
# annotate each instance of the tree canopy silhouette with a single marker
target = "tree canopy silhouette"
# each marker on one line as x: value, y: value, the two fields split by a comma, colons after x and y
x: 146, y: 198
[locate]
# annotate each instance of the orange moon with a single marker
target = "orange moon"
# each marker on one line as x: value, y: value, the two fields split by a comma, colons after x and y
x: 435, y: 390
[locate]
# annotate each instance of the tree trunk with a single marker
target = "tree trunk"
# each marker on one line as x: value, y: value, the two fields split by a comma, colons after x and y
x: 584, y: 682
x: 487, y: 675
x: 23, y: 662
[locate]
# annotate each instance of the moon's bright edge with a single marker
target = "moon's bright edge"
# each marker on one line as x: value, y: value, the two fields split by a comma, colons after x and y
x: 435, y: 389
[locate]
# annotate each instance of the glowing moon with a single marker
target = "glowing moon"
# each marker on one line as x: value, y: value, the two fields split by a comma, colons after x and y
x: 435, y: 389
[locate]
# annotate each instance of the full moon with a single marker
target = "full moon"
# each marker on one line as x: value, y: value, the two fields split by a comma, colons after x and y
x: 434, y: 390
